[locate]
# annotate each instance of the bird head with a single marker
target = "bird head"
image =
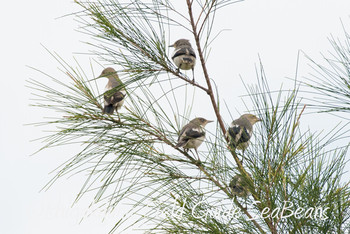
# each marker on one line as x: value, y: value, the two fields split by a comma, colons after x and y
x: 181, y: 42
x: 251, y: 118
x: 111, y: 74
x: 108, y: 72
x: 201, y: 121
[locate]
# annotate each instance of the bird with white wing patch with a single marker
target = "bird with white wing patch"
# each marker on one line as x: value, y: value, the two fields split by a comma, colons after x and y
x: 241, y: 130
x: 184, y: 56
x: 192, y: 134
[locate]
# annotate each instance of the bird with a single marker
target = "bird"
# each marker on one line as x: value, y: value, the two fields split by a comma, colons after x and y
x: 184, y: 56
x: 114, y: 92
x: 239, y: 186
x: 192, y: 134
x: 240, y: 131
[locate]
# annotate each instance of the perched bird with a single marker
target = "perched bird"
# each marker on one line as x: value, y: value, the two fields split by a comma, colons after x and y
x: 239, y: 186
x: 114, y: 92
x: 184, y: 56
x: 241, y: 130
x: 192, y: 134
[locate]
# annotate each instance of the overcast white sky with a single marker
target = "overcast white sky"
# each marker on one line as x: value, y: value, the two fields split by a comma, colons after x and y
x: 275, y: 29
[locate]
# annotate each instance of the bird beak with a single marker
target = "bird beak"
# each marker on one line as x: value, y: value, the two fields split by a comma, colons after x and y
x: 171, y: 45
x: 209, y: 121
x: 258, y: 120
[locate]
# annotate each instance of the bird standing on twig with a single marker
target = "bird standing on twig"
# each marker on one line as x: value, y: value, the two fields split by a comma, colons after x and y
x: 241, y: 130
x: 192, y: 134
x: 184, y: 56
x: 239, y: 186
x: 114, y: 92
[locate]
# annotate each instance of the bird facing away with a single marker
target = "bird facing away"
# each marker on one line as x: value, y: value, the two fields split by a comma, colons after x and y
x: 114, y: 92
x: 239, y: 186
x: 192, y: 134
x: 184, y: 56
x: 241, y: 130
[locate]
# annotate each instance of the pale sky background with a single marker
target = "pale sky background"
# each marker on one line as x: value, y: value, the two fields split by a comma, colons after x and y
x: 275, y: 29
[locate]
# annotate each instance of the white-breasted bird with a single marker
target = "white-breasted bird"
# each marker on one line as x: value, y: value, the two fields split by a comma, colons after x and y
x: 241, y: 130
x: 114, y: 91
x: 192, y: 134
x: 184, y: 56
x: 239, y: 186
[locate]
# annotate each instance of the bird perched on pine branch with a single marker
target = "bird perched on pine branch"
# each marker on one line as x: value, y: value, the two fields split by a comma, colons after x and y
x: 114, y: 92
x: 239, y: 186
x: 192, y: 134
x: 241, y: 130
x: 184, y: 56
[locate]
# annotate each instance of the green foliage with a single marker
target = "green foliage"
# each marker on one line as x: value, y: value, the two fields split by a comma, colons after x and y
x: 133, y: 159
x: 330, y: 82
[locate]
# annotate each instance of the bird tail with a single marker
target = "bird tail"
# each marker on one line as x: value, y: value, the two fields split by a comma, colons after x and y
x: 180, y: 144
x: 108, y: 109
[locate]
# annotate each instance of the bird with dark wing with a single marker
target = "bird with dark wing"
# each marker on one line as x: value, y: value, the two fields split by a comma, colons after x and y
x: 192, y: 134
x: 241, y: 130
x: 114, y: 92
x: 239, y: 186
x: 184, y: 56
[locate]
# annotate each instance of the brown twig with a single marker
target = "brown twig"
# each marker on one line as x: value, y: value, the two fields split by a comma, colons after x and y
x: 215, y: 107
x: 205, y: 71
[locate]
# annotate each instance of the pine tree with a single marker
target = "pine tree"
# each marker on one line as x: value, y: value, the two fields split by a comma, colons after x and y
x: 293, y: 175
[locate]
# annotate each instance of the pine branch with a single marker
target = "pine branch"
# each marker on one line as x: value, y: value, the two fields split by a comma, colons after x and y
x: 133, y: 158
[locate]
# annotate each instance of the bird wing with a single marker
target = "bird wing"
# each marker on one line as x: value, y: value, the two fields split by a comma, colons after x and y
x: 194, y: 133
x: 239, y: 134
x: 245, y: 135
x: 113, y: 97
x: 188, y: 133
x: 182, y: 132
x: 184, y: 51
